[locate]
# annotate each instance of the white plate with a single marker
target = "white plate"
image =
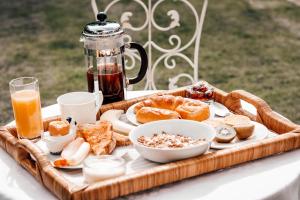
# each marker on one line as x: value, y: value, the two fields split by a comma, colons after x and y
x: 132, y: 117
x: 260, y: 132
x: 43, y: 147
x: 194, y: 129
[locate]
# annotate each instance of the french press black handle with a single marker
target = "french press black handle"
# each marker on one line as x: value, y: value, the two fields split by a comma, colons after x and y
x: 144, y: 63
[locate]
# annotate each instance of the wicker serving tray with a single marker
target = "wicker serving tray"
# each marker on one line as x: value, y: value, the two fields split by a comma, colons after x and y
x: 52, y: 179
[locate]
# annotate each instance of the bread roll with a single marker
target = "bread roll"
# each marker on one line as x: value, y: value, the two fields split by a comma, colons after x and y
x: 186, y: 108
x: 149, y: 114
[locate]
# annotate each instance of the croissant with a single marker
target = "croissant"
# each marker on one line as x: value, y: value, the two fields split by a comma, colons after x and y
x: 179, y: 107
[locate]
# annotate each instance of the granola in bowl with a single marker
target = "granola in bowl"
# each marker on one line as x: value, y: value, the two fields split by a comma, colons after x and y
x: 165, y: 140
x: 175, y: 139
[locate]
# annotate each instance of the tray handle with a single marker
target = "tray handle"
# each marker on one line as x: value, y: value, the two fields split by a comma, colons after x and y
x: 265, y: 114
x: 31, y: 158
x: 42, y: 170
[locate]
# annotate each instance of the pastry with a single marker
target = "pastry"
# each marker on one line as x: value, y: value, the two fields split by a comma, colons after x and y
x: 148, y: 114
x: 99, y: 136
x: 242, y: 125
x: 59, y: 128
x: 193, y: 111
x: 187, y: 108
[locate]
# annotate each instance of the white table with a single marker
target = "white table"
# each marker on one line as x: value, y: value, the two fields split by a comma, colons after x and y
x: 276, y: 177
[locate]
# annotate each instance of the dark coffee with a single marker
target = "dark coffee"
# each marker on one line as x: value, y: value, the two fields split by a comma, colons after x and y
x: 110, y: 81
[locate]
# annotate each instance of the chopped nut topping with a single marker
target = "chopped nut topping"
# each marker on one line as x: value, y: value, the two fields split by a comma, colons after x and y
x: 165, y: 140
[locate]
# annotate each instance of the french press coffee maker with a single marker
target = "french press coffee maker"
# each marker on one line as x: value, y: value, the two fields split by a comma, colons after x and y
x: 104, y: 48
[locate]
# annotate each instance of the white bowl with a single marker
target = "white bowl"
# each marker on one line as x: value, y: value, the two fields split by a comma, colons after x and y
x: 193, y: 129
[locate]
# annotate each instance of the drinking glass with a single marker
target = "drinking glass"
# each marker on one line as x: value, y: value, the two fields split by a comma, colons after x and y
x: 25, y: 98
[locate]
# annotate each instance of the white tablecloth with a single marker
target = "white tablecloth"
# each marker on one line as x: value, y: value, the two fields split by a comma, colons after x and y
x: 276, y: 177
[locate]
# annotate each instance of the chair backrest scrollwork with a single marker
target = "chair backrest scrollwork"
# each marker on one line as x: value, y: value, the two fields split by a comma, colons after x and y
x: 167, y: 56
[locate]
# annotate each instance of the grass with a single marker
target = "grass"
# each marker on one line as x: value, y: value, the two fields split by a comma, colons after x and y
x: 251, y: 46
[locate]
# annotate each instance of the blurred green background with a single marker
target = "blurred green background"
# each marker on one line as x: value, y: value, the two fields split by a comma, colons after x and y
x: 247, y: 44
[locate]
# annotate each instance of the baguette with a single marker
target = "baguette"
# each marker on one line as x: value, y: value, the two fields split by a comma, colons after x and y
x: 148, y: 114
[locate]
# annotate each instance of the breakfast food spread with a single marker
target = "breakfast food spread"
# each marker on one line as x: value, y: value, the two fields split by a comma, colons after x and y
x: 151, y: 109
x: 242, y: 125
x: 58, y: 128
x: 100, y: 139
x: 165, y: 140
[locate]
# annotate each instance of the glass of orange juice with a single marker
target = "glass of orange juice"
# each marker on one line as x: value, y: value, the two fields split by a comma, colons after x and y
x: 25, y: 98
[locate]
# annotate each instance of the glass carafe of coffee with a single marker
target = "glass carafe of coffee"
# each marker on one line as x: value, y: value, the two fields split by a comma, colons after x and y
x: 104, y: 48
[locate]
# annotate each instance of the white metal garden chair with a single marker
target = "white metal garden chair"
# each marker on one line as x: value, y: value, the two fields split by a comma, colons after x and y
x: 166, y: 55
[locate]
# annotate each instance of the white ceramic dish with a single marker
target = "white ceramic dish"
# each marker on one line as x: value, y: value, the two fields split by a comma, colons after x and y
x: 132, y: 118
x: 190, y: 128
x: 260, y: 132
x: 56, y: 144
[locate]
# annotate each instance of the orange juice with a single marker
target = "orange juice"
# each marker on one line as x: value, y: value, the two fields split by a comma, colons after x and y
x: 27, y: 111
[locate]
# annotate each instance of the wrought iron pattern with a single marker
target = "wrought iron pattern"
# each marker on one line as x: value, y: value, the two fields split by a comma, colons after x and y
x: 167, y: 55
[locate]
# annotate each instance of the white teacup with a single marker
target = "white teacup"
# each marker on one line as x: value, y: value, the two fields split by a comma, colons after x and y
x: 81, y: 106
